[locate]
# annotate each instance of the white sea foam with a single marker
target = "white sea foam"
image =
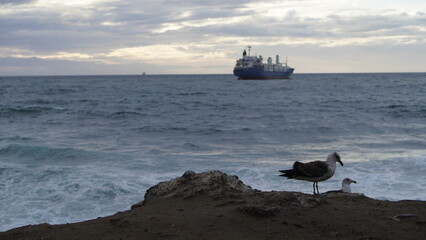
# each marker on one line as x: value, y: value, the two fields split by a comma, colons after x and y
x: 56, y: 194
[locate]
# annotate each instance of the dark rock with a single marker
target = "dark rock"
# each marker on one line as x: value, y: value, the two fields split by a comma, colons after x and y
x: 191, y: 184
x: 260, y: 211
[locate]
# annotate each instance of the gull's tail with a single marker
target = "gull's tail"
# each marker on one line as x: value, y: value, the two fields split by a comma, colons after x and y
x: 292, y: 173
x: 288, y: 173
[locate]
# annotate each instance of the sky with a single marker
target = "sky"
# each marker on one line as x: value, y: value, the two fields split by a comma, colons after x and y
x: 90, y: 37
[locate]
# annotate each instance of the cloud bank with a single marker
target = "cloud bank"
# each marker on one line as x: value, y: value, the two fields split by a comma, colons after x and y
x: 194, y: 36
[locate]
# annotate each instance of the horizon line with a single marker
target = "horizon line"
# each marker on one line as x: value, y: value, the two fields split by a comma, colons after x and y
x: 193, y: 74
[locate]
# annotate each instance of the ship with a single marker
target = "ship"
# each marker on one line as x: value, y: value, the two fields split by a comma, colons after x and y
x: 252, y: 68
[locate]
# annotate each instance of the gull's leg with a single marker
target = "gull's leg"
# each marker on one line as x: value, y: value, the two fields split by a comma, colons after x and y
x: 313, y: 186
x: 317, y: 188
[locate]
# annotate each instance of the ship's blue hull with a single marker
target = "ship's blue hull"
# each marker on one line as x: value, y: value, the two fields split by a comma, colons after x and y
x: 260, y: 73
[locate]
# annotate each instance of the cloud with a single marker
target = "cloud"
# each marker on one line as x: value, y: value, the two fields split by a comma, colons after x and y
x: 36, y: 66
x: 172, y: 32
x: 15, y: 2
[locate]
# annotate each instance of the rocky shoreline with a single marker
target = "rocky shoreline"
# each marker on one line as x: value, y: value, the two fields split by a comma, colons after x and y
x: 214, y: 205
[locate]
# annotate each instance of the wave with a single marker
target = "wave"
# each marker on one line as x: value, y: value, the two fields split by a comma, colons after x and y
x: 61, y: 91
x: 15, y: 138
x: 24, y: 110
x: 152, y: 129
x: 64, y: 194
x: 193, y: 94
x: 28, y: 110
x: 395, y: 106
x: 31, y: 154
x: 405, y: 111
x: 124, y: 114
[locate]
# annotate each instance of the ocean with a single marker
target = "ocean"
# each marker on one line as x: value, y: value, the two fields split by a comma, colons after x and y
x: 74, y: 148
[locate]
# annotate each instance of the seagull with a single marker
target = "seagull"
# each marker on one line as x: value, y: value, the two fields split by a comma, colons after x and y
x: 346, y: 186
x: 316, y: 171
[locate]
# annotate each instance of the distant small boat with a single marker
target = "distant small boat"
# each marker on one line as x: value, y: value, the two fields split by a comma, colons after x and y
x: 143, y: 74
x: 252, y: 67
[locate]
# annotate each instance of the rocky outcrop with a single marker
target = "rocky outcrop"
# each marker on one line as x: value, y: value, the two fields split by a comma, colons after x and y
x: 191, y: 184
x: 228, y: 190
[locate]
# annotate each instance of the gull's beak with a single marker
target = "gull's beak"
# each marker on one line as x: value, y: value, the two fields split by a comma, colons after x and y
x: 340, y: 161
x: 353, y: 181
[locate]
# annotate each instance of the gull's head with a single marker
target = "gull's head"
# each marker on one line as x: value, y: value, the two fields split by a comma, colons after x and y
x: 334, y: 156
x: 346, y: 185
x: 347, y: 181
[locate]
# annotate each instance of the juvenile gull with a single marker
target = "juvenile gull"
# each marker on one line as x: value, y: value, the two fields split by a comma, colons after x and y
x: 316, y: 171
x: 346, y: 186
